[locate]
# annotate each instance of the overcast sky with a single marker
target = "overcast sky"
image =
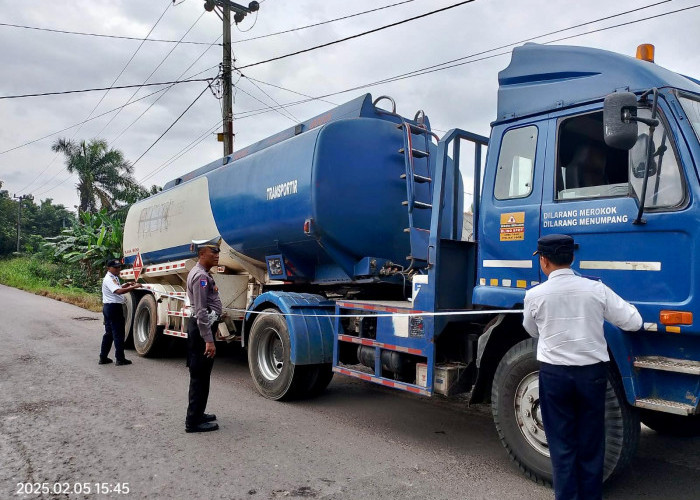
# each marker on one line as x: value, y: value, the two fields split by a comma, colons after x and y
x: 464, y: 96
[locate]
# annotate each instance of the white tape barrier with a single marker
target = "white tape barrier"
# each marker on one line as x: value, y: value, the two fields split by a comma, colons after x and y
x: 385, y: 315
x: 375, y: 315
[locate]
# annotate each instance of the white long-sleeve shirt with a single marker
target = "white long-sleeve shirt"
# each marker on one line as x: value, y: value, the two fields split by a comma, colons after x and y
x: 567, y: 313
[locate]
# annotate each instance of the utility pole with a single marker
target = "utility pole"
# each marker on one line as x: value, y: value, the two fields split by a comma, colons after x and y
x: 226, y: 6
x: 19, y: 214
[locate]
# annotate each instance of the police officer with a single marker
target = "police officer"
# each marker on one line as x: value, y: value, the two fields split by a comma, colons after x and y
x: 206, y: 311
x: 567, y: 313
x: 112, y: 300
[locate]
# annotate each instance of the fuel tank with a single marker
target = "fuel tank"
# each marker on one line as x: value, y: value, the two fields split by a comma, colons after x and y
x: 321, y: 202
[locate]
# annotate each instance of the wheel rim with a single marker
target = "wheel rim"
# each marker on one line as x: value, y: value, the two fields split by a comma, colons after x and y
x: 528, y: 413
x: 142, y: 325
x: 270, y: 354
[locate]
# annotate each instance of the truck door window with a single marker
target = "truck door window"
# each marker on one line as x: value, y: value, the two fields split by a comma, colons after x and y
x: 516, y: 162
x: 586, y: 166
x: 665, y: 188
x: 691, y: 106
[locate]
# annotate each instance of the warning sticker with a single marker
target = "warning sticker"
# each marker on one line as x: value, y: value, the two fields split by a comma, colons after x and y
x: 513, y: 226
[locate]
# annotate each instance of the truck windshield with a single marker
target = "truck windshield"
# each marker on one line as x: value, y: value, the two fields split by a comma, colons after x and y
x: 691, y: 106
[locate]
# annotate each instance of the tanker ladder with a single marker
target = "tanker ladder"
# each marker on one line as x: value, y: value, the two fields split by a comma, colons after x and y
x: 381, y: 348
x: 417, y: 172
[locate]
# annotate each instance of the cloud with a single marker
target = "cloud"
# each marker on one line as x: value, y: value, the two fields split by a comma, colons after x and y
x: 464, y: 96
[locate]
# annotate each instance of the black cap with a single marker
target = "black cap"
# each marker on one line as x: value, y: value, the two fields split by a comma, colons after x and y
x: 114, y: 263
x: 553, y: 244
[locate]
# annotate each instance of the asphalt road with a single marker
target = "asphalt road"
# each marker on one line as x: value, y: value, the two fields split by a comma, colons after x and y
x: 64, y: 420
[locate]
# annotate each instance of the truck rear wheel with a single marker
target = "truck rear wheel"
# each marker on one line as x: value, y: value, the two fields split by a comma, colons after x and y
x: 130, y: 303
x: 269, y: 360
x: 145, y: 331
x: 518, y: 419
x: 670, y: 424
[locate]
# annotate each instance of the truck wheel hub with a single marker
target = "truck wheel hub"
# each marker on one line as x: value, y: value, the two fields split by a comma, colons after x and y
x: 528, y: 413
x: 270, y: 354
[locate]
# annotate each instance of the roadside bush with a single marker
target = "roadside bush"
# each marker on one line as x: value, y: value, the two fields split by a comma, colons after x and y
x: 51, y: 279
x: 89, y: 243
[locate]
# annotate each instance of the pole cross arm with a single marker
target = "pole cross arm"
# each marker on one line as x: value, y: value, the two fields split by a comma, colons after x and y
x: 237, y: 8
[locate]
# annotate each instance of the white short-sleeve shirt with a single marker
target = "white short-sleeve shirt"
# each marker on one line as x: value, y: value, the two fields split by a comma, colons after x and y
x: 110, y: 283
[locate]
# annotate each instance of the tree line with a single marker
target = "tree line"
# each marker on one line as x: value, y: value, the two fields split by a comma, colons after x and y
x: 92, y: 233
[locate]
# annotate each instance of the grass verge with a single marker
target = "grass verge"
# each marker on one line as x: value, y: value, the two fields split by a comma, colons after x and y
x: 47, y: 279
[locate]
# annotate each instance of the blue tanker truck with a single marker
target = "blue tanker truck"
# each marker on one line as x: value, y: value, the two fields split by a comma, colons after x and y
x: 347, y: 245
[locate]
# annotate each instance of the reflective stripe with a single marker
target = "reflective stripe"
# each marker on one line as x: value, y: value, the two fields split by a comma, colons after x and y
x: 619, y: 265
x: 520, y: 264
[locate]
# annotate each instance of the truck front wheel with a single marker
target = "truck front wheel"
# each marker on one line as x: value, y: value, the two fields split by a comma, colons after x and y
x: 518, y: 419
x: 269, y: 360
x: 145, y: 330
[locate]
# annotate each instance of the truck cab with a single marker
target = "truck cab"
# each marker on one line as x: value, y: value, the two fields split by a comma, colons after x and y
x: 556, y: 165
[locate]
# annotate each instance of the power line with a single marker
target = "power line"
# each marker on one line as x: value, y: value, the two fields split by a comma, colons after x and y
x: 252, y: 113
x: 99, y: 116
x: 164, y: 40
x: 182, y: 151
x: 358, y: 35
x: 99, y: 35
x: 63, y: 92
x: 288, y: 115
x: 170, y: 87
x: 448, y: 64
x: 83, y: 122
x: 171, y: 125
x: 103, y: 97
x: 152, y: 73
x: 288, y: 90
x: 322, y: 22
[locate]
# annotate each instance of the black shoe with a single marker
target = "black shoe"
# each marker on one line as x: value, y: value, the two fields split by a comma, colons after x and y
x: 105, y: 361
x: 208, y: 417
x: 122, y: 362
x: 202, y: 427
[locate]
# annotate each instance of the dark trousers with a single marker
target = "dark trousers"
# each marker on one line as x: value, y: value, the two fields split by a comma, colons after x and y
x: 114, y: 331
x: 572, y: 399
x: 200, y: 373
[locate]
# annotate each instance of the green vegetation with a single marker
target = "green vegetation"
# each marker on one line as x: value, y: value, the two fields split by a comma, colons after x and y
x: 62, y: 255
x: 51, y: 279
x: 90, y: 242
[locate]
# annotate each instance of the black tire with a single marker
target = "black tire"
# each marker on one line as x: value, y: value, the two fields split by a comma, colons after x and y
x: 324, y: 375
x: 515, y: 380
x: 269, y: 360
x: 129, y: 309
x: 147, y: 334
x: 670, y: 424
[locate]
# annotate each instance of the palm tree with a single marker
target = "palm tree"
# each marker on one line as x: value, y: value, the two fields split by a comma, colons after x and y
x: 104, y: 176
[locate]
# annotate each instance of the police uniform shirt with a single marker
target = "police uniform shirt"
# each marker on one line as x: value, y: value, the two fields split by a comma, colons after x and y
x: 567, y: 313
x: 204, y: 297
x: 110, y: 283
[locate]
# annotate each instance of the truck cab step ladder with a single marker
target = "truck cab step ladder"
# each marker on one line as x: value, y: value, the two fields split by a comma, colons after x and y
x: 665, y: 406
x: 668, y: 364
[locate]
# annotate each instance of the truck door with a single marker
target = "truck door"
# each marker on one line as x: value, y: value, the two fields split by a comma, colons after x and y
x: 591, y: 193
x: 509, y: 225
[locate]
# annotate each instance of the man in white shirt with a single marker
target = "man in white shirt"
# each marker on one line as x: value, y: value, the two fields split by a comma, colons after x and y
x: 112, y: 300
x: 567, y: 313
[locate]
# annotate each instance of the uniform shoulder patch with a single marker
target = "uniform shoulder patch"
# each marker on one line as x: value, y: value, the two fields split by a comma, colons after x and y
x: 203, y: 283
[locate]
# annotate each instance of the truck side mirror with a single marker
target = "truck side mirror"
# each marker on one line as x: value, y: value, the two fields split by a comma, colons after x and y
x: 619, y: 111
